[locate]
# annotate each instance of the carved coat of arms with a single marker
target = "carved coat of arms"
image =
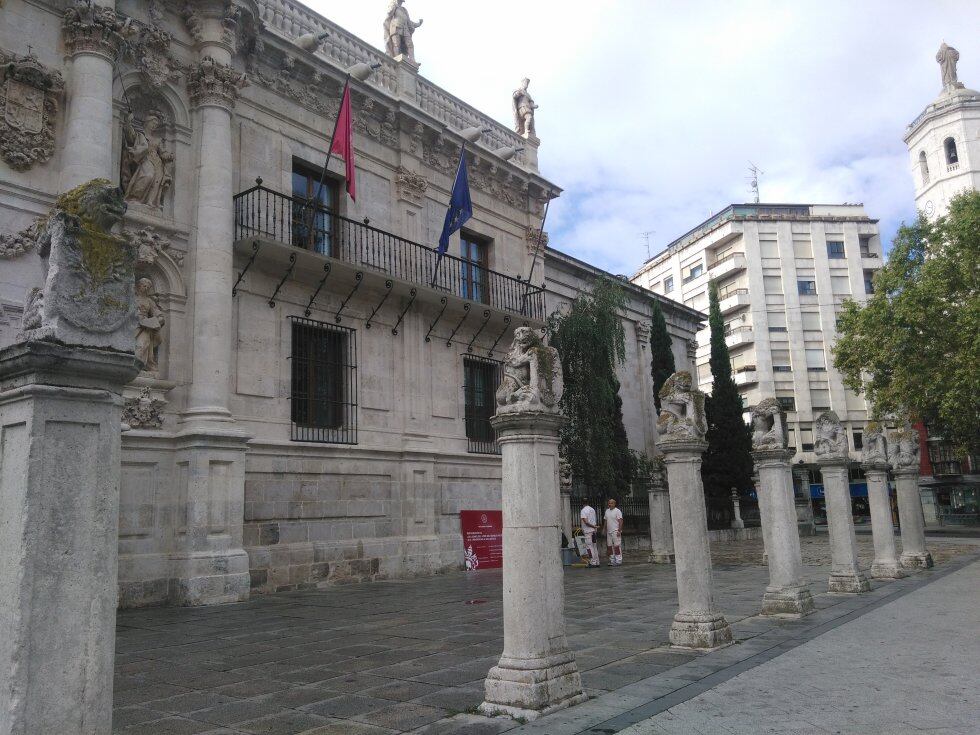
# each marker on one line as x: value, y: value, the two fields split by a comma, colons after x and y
x: 29, y: 102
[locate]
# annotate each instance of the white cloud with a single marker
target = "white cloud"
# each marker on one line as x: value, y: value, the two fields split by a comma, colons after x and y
x: 650, y: 111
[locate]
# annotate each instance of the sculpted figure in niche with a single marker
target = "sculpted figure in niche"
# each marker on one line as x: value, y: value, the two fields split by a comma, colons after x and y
x: 831, y: 440
x: 399, y: 28
x: 149, y: 334
x: 874, y: 450
x: 524, y: 108
x: 946, y: 57
x: 532, y: 379
x: 681, y: 410
x: 147, y: 167
x: 904, y: 448
x: 768, y: 426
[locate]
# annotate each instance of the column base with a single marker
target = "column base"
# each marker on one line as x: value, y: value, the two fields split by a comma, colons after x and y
x: 209, y: 578
x: 886, y: 570
x: 916, y: 560
x: 700, y: 631
x: 529, y: 693
x: 661, y: 557
x: 851, y: 583
x: 794, y: 602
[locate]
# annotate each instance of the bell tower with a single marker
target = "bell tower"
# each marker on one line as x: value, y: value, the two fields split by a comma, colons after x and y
x: 944, y: 141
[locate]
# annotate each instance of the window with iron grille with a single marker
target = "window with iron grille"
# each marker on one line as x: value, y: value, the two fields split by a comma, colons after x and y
x: 323, y: 393
x: 481, y: 377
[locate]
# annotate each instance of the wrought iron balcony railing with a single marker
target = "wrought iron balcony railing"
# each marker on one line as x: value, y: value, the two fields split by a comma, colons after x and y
x: 263, y: 213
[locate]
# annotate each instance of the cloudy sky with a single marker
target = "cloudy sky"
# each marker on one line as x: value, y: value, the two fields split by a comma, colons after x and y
x: 650, y: 111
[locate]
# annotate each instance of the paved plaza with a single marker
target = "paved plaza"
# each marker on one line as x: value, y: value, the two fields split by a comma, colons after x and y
x: 410, y: 656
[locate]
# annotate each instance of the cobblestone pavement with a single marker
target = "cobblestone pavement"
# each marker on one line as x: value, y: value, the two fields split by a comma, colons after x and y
x: 410, y: 656
x: 915, y: 672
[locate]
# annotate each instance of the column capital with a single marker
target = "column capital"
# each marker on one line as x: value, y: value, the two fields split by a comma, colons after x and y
x: 772, y: 457
x: 905, y: 471
x: 833, y: 461
x: 92, y: 29
x: 516, y: 426
x: 211, y: 83
x: 681, y: 451
x: 875, y: 466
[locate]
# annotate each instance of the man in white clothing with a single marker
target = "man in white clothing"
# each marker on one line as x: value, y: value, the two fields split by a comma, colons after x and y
x: 590, y: 524
x: 612, y: 524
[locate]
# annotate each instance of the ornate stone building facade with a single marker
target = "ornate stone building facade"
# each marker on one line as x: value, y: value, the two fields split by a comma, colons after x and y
x: 313, y: 405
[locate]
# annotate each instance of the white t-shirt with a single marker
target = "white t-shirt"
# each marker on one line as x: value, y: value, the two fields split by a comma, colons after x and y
x: 588, y: 518
x: 614, y: 518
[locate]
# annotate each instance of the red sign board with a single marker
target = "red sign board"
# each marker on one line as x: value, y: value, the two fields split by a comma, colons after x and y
x: 483, y: 538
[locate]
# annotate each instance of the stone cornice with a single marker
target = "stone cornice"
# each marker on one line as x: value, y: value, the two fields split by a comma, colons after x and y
x: 210, y: 83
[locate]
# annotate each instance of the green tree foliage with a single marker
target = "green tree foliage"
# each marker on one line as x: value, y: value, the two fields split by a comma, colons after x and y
x: 591, y: 341
x: 661, y: 354
x: 728, y: 462
x: 915, y: 346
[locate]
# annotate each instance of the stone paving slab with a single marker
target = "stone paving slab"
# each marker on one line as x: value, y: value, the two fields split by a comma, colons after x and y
x: 410, y: 656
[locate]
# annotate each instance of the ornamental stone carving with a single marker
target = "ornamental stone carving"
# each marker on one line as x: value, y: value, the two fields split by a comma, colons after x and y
x: 399, y: 29
x: 903, y: 448
x: 88, y: 295
x: 151, y: 246
x: 769, y: 426
x: 524, y: 107
x: 146, y: 173
x: 532, y: 380
x: 831, y: 439
x: 682, y: 417
x: 15, y: 245
x: 874, y: 450
x: 213, y: 83
x: 143, y: 411
x: 90, y: 28
x: 531, y: 235
x: 411, y: 186
x: 149, y: 332
x: 147, y: 47
x: 29, y: 95
x: 564, y: 475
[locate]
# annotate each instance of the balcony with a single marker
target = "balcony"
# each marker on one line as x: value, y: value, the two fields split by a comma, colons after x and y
x: 275, y: 220
x: 739, y: 336
x: 733, y: 300
x: 746, y: 375
x: 729, y: 264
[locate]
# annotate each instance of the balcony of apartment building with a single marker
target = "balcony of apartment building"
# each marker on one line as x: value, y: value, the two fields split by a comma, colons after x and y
x: 726, y: 265
x: 738, y: 336
x: 295, y: 235
x: 732, y: 299
x: 745, y: 375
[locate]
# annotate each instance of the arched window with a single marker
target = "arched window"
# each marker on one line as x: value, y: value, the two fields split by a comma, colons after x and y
x: 923, y: 167
x: 949, y: 145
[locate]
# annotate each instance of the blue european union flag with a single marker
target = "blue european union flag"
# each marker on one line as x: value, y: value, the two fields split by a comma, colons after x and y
x: 460, y: 206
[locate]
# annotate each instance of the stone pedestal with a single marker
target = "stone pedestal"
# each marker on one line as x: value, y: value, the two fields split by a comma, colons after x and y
x: 537, y: 673
x: 697, y: 624
x: 885, y: 565
x: 60, y: 416
x: 787, y: 593
x: 913, y: 525
x: 845, y: 575
x: 661, y: 536
x: 737, y: 522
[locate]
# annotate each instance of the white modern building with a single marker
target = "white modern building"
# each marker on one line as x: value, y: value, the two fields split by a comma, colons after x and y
x: 944, y: 141
x: 783, y: 271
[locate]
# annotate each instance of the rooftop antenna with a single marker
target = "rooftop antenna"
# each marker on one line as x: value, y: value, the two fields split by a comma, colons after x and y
x: 646, y: 239
x: 754, y: 181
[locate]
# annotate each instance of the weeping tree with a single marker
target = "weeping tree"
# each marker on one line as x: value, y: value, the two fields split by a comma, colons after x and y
x: 591, y: 341
x: 661, y: 353
x: 728, y: 462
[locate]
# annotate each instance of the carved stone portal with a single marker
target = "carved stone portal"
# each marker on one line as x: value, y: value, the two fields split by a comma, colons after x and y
x: 29, y: 105
x: 532, y: 378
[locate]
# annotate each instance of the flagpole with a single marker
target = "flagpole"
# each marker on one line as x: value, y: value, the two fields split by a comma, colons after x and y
x: 326, y: 164
x: 534, y: 261
x: 435, y: 271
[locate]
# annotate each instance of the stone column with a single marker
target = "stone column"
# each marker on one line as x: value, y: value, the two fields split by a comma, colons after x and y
x: 885, y: 565
x: 60, y: 420
x: 737, y: 522
x: 661, y: 535
x: 682, y: 426
x: 537, y: 673
x: 92, y: 40
x: 831, y: 450
x: 903, y: 453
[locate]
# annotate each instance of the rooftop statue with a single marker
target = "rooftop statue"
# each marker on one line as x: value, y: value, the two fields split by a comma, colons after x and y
x: 831, y: 439
x: 524, y: 108
x: 768, y: 426
x: 532, y: 378
x: 875, y: 450
x: 399, y: 28
x: 682, y: 416
x: 946, y: 57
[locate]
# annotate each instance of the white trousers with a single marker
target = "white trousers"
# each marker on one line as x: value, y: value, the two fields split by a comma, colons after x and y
x: 590, y: 545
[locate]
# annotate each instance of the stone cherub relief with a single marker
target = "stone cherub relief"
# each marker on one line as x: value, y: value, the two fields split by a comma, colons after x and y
x: 768, y: 426
x: 146, y: 173
x: 682, y: 417
x: 398, y: 28
x: 903, y: 448
x: 874, y: 450
x: 524, y: 107
x: 149, y: 333
x: 831, y: 439
x: 88, y: 295
x: 532, y: 379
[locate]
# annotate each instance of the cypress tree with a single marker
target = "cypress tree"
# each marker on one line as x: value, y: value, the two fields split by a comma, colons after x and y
x: 728, y: 462
x: 661, y: 354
